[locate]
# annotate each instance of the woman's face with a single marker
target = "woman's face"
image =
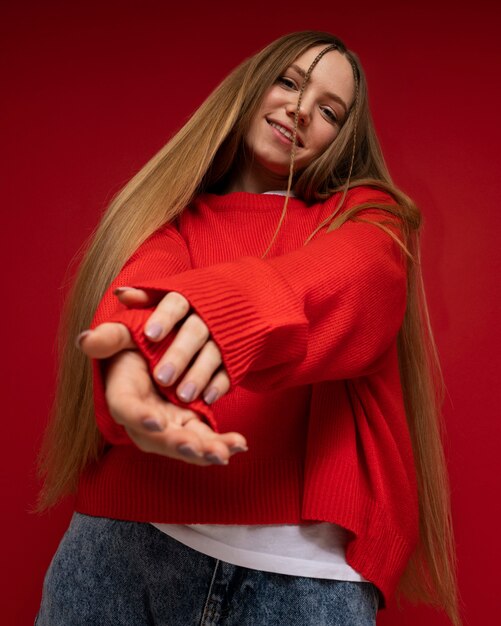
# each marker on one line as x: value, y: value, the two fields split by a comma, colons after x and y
x: 324, y: 105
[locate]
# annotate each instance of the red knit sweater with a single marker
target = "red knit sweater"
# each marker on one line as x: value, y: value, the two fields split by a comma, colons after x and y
x: 308, y: 338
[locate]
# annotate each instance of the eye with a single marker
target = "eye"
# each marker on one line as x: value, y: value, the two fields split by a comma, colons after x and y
x: 329, y: 113
x: 287, y: 82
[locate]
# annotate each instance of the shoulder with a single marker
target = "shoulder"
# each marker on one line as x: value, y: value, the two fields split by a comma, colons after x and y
x: 362, y: 198
x: 363, y: 195
x: 366, y: 211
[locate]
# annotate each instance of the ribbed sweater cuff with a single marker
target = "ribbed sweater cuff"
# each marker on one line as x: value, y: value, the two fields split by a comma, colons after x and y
x: 242, y: 319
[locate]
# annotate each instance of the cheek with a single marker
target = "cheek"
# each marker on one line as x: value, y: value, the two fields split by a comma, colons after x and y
x: 257, y: 120
x: 253, y: 133
x: 324, y: 138
x: 272, y: 99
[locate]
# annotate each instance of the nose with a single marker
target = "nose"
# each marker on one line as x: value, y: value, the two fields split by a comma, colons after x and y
x: 303, y: 117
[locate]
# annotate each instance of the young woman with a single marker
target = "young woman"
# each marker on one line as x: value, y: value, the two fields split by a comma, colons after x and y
x: 258, y: 438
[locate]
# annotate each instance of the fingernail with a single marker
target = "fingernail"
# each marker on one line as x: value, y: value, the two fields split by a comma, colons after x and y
x: 210, y: 395
x: 120, y: 290
x: 152, y: 425
x: 153, y: 330
x: 187, y: 451
x: 235, y: 449
x: 187, y: 392
x: 78, y: 339
x: 166, y: 373
x: 216, y: 459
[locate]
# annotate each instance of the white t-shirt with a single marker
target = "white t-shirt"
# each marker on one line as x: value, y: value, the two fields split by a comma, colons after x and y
x: 313, y: 550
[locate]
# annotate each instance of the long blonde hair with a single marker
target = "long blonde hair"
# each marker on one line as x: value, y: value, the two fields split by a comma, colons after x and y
x: 200, y: 157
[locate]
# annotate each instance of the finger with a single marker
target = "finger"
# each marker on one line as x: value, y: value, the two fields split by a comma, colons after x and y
x: 170, y: 444
x: 235, y: 442
x: 105, y: 340
x: 194, y: 443
x: 217, y: 448
x: 190, y: 439
x: 190, y: 338
x: 199, y: 374
x: 186, y: 438
x: 217, y: 386
x: 134, y: 297
x: 220, y: 450
x: 181, y: 441
x: 170, y: 310
x: 193, y: 439
x: 212, y: 448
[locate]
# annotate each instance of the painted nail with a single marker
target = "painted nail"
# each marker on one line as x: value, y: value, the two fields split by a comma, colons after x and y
x: 152, y: 425
x: 216, y: 459
x: 78, y: 339
x: 166, y: 373
x: 187, y: 451
x: 154, y: 330
x: 210, y: 395
x: 187, y: 392
x: 235, y: 449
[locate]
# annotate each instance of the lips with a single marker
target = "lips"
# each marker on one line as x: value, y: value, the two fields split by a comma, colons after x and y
x: 283, y: 127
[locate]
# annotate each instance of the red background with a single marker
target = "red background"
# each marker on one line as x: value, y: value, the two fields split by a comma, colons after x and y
x: 90, y: 91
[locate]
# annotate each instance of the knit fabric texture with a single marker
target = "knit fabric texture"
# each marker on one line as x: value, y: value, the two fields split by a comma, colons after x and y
x: 308, y: 336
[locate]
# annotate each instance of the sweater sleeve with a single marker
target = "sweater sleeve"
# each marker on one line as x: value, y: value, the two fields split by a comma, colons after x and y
x: 162, y: 255
x: 329, y: 310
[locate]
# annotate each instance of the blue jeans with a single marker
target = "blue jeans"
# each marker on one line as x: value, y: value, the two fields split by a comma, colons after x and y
x: 116, y: 573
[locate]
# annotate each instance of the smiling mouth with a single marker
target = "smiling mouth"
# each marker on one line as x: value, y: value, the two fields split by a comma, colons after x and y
x: 286, y: 133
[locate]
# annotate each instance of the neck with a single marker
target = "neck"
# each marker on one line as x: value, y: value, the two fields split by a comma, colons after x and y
x: 254, y: 178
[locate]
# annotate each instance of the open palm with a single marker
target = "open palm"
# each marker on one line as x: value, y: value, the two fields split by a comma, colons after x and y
x: 158, y: 426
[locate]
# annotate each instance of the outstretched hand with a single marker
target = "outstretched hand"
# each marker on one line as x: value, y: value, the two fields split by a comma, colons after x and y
x: 206, y: 374
x: 156, y: 425
x: 153, y: 423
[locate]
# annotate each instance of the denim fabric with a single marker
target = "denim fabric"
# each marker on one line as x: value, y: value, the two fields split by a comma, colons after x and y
x: 116, y: 573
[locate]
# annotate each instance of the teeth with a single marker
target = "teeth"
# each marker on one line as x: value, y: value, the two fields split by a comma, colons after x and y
x: 284, y: 131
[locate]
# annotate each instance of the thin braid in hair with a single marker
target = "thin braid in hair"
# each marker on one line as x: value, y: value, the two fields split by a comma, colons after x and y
x: 294, y: 139
x: 330, y: 217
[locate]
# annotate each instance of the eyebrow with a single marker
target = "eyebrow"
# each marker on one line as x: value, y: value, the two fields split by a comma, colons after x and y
x: 334, y: 96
